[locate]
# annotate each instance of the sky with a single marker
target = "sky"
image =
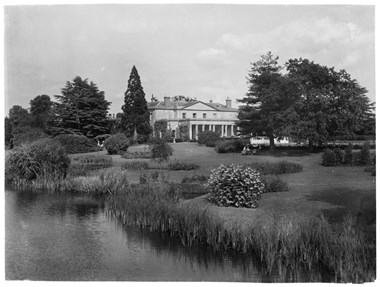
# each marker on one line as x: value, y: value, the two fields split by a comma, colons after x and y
x: 200, y: 51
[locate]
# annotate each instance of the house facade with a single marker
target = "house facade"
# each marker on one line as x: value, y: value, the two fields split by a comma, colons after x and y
x: 197, y: 115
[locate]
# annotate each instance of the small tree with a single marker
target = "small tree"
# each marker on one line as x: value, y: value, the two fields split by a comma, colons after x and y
x: 161, y: 150
x: 135, y: 108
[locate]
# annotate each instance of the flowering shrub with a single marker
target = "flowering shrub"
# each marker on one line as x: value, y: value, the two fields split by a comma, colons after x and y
x: 235, y: 185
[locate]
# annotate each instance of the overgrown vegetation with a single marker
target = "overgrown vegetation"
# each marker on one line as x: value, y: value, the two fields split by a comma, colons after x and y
x: 227, y: 146
x: 277, y: 167
x: 77, y: 143
x: 194, y: 178
x: 161, y: 150
x: 182, y: 165
x: 312, y: 243
x: 336, y: 156
x: 272, y: 183
x: 135, y: 165
x: 109, y: 181
x: 208, y: 138
x: 92, y: 162
x: 137, y: 154
x: 117, y: 144
x: 39, y: 164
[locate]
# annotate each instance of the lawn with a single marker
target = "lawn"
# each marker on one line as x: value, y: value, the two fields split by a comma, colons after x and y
x: 332, y: 191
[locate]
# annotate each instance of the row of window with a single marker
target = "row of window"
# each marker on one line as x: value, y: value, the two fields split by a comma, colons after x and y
x: 195, y: 115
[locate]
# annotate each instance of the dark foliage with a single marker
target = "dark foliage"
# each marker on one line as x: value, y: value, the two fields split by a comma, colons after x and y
x: 208, y: 138
x: 117, y: 144
x: 161, y: 150
x: 82, y: 109
x: 182, y: 165
x: 135, y: 118
x: 77, y: 143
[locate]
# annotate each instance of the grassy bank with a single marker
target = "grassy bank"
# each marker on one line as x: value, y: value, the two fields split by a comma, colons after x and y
x: 311, y: 243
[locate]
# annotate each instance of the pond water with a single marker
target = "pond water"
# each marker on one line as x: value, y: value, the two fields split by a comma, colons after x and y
x: 74, y: 237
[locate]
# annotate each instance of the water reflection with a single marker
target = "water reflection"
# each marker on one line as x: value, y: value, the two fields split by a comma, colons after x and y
x: 74, y: 237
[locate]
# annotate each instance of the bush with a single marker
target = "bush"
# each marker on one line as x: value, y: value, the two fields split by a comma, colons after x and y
x: 26, y: 134
x: 349, y: 157
x: 117, y: 143
x: 329, y: 158
x: 181, y: 165
x: 161, y: 150
x: 365, y: 154
x: 227, y: 146
x: 42, y: 161
x: 234, y: 185
x: 137, y: 165
x: 77, y: 143
x: 339, y: 155
x: 371, y: 169
x: 137, y: 154
x: 274, y: 184
x: 208, y: 138
x: 194, y: 178
x: 277, y: 167
x: 93, y: 162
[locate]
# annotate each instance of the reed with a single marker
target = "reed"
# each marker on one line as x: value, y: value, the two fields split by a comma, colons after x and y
x: 311, y: 244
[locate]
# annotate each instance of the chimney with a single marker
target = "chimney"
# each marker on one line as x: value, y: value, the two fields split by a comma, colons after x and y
x: 166, y: 101
x: 228, y: 103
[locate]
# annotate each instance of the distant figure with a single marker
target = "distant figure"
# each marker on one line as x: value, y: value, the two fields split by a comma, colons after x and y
x: 100, y: 143
x: 250, y: 149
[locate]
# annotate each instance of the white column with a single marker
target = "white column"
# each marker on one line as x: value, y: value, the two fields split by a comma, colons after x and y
x: 190, y: 131
x: 196, y: 132
x: 232, y: 130
x: 213, y: 128
x: 203, y: 128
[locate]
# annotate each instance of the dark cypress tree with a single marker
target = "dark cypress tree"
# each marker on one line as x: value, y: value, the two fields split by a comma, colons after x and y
x: 82, y: 109
x: 135, y: 110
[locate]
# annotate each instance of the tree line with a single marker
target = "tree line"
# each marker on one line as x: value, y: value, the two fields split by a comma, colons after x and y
x: 305, y: 101
x: 80, y: 109
x: 300, y: 99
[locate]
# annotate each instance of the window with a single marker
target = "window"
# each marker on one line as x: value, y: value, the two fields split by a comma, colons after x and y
x: 194, y: 115
x: 204, y: 115
x: 151, y: 116
x: 214, y: 115
x: 184, y: 115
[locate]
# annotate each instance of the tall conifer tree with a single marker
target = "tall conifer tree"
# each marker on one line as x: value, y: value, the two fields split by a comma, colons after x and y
x: 135, y: 110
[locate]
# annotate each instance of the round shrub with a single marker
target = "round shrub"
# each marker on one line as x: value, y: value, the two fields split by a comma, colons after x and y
x: 77, y: 143
x: 235, y: 185
x: 339, y: 154
x: 329, y: 158
x: 117, y: 143
x: 44, y: 159
x: 209, y: 138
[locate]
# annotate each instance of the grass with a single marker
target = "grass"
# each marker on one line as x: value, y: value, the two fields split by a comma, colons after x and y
x: 313, y: 242
x: 277, y: 167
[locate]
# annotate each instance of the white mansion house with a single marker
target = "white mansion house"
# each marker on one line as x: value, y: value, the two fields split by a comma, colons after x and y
x: 197, y: 115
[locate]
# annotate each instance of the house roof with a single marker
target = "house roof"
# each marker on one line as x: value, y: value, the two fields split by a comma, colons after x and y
x: 179, y: 105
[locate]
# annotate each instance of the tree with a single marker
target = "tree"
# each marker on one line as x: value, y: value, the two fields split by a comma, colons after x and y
x: 41, y: 112
x: 135, y: 110
x: 8, y: 132
x: 331, y: 103
x: 20, y: 126
x: 82, y: 109
x: 268, y: 101
x: 18, y: 116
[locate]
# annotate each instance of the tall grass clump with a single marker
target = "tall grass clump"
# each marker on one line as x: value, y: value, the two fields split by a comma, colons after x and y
x: 93, y: 162
x: 311, y: 243
x: 39, y: 164
x: 117, y: 144
x: 137, y: 154
x: 182, y: 165
x: 272, y: 183
x: 280, y: 167
x: 109, y: 181
x: 136, y: 165
x: 235, y: 185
